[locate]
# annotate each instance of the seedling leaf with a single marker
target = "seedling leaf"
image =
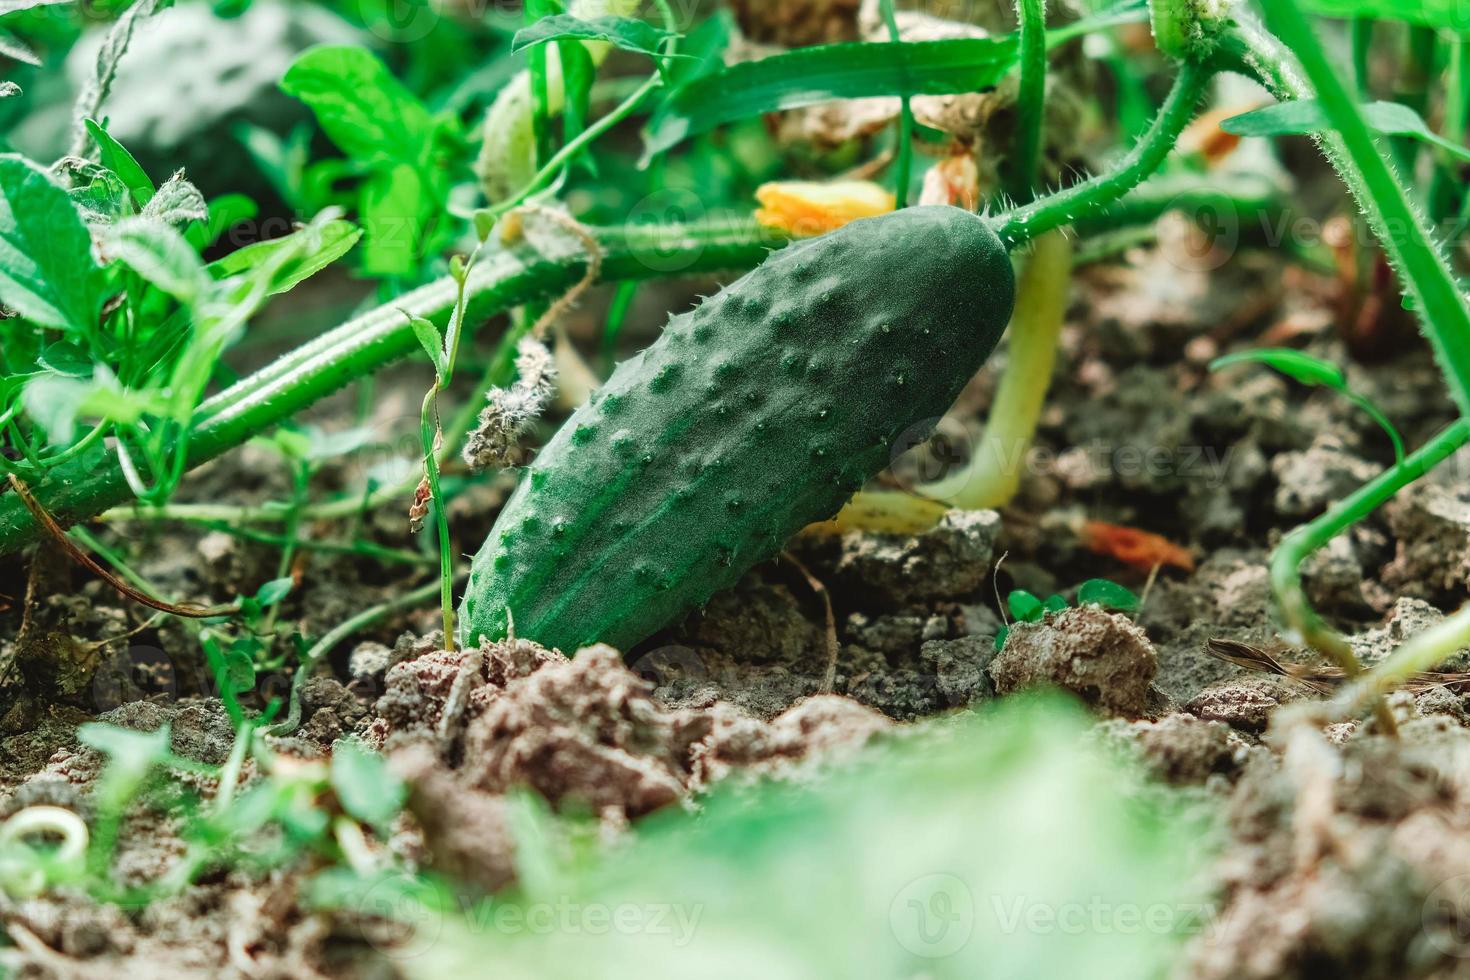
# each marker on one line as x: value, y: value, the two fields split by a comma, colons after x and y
x: 177, y: 202
x: 1294, y: 364
x: 1109, y: 595
x: 274, y: 591
x: 1025, y: 607
x: 429, y: 338
x: 131, y: 752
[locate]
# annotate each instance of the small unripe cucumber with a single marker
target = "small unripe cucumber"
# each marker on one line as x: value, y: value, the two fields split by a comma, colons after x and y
x: 754, y: 415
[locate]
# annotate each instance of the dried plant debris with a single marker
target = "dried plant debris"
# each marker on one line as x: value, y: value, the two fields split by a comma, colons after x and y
x: 511, y: 411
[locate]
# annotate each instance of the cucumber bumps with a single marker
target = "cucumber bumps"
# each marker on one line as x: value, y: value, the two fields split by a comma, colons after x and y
x: 755, y: 414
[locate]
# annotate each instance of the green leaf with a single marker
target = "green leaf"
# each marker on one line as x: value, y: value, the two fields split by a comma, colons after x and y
x: 809, y: 76
x: 334, y: 240
x: 274, y: 591
x: 623, y: 32
x: 53, y: 402
x: 47, y: 272
x: 1000, y: 638
x: 392, y: 211
x: 365, y: 787
x: 429, y: 338
x: 177, y: 202
x: 1448, y: 14
x: 1294, y: 364
x: 130, y: 752
x: 116, y: 158
x: 579, y: 73
x: 1084, y: 860
x: 1054, y: 603
x: 1307, y: 116
x: 362, y: 108
x: 1109, y: 595
x: 160, y: 255
x: 1025, y: 607
x: 98, y: 193
x: 240, y: 666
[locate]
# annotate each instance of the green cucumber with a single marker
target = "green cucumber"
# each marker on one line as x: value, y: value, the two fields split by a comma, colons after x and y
x: 754, y: 415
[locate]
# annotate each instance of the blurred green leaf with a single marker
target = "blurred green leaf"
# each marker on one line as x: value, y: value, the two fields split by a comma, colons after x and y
x: 332, y: 241
x: 47, y: 272
x: 627, y: 33
x: 1010, y: 846
x: 364, y: 786
x: 1307, y: 116
x: 360, y: 105
x: 391, y: 209
x: 130, y: 752
x: 1449, y: 14
x: 10, y: 47
x: 160, y: 255
x: 274, y: 591
x: 809, y: 76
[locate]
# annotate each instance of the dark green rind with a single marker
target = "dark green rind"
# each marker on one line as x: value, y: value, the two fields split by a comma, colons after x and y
x: 503, y: 279
x: 755, y: 414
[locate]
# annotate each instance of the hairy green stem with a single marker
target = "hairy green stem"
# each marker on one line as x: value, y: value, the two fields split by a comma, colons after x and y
x: 1296, y: 547
x: 1031, y: 101
x: 1427, y: 274
x: 1095, y: 196
x: 505, y: 279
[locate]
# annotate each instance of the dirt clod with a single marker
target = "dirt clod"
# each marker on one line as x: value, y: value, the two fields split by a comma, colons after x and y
x: 1102, y: 657
x: 952, y: 561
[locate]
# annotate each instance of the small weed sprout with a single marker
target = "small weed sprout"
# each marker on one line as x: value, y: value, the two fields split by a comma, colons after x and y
x: 1024, y: 607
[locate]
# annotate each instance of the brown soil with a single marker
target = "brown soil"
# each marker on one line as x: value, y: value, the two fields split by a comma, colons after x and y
x: 1347, y: 851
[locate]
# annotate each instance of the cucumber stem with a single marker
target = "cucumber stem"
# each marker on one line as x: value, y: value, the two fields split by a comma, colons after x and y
x: 1031, y: 101
x: 1093, y: 196
x: 993, y: 474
